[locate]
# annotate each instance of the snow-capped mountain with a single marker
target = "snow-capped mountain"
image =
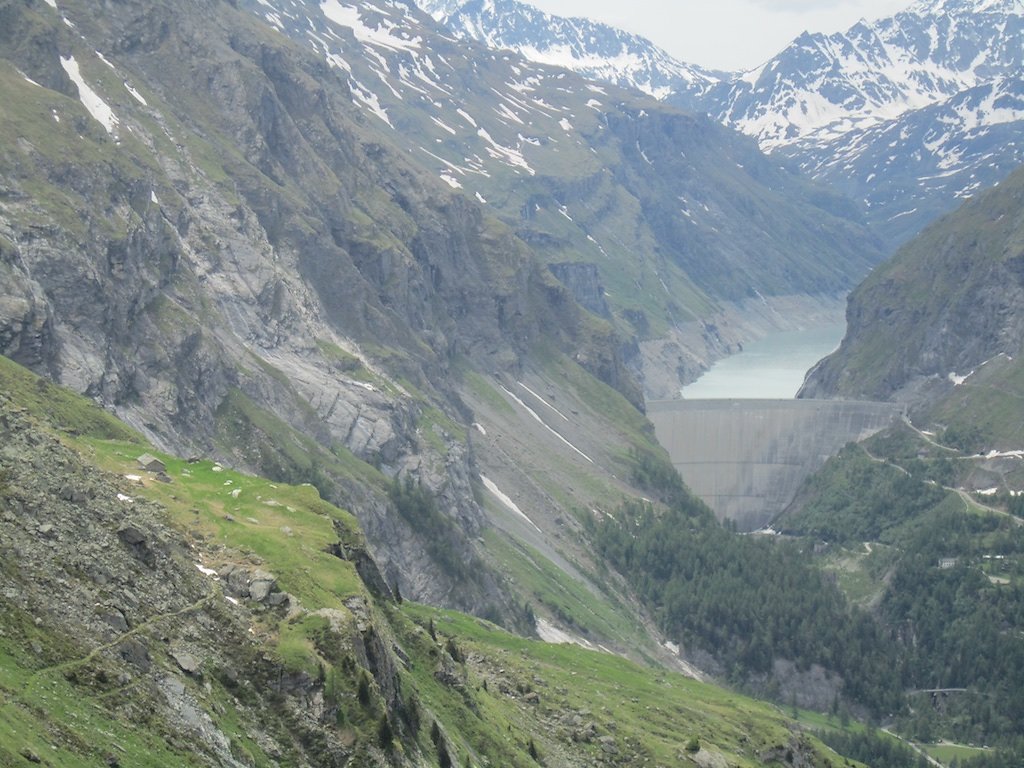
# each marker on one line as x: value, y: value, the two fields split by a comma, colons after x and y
x: 909, y: 114
x: 910, y: 170
x: 976, y: 6
x: 854, y: 108
x: 819, y: 87
x: 595, y: 50
x: 824, y: 86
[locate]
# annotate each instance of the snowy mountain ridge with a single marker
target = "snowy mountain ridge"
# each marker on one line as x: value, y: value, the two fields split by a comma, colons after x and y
x: 822, y: 86
x: 910, y: 170
x: 927, y: 7
x: 594, y: 50
x: 825, y: 98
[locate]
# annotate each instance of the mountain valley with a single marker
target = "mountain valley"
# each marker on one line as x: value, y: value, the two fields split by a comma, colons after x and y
x: 589, y: 176
x: 215, y: 618
x: 328, y: 333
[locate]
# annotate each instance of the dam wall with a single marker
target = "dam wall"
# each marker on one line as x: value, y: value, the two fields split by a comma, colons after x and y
x: 748, y: 458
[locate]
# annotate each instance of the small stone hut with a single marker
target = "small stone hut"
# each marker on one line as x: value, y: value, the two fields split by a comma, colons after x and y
x: 151, y: 463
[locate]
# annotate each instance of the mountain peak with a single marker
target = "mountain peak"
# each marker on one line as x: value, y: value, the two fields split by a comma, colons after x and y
x: 440, y: 8
x: 593, y: 49
x: 940, y: 7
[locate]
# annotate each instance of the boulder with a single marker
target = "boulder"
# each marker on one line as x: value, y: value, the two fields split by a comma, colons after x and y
x: 75, y: 495
x: 185, y: 661
x: 135, y: 653
x: 115, y: 618
x: 261, y: 585
x: 135, y: 540
x: 257, y: 585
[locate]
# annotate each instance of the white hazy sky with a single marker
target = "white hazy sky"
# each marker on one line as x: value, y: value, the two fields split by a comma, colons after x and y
x: 725, y: 34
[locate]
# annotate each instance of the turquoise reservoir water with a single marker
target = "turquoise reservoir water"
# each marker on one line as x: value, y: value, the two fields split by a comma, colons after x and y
x: 772, y: 367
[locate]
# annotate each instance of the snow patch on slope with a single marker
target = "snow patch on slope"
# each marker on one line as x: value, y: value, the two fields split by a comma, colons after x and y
x: 384, y: 35
x: 504, y: 499
x: 549, y: 633
x: 538, y: 419
x: 94, y: 104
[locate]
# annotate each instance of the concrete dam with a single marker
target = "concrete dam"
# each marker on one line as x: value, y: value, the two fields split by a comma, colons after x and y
x: 747, y: 458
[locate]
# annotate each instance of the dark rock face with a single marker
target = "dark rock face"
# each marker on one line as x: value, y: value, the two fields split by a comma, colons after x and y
x: 235, y: 244
x: 584, y: 283
x: 137, y: 544
x: 947, y: 303
x: 26, y: 319
x: 365, y: 565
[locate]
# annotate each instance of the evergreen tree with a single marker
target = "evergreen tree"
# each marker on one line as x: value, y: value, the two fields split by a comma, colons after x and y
x: 385, y: 736
x: 363, y: 689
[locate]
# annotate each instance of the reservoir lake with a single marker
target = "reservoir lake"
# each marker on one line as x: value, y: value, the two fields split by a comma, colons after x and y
x: 772, y: 367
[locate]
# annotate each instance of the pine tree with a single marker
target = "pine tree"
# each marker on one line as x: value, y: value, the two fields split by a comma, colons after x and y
x: 363, y: 690
x: 385, y: 736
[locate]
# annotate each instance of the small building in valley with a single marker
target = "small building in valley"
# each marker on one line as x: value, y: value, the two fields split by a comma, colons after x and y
x: 151, y: 463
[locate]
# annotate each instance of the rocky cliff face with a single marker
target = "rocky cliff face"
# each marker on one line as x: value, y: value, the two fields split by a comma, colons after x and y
x: 948, y: 303
x: 200, y: 233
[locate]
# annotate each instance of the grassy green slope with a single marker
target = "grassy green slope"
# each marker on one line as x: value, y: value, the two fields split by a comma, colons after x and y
x: 599, y: 458
x: 496, y: 698
x: 569, y: 700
